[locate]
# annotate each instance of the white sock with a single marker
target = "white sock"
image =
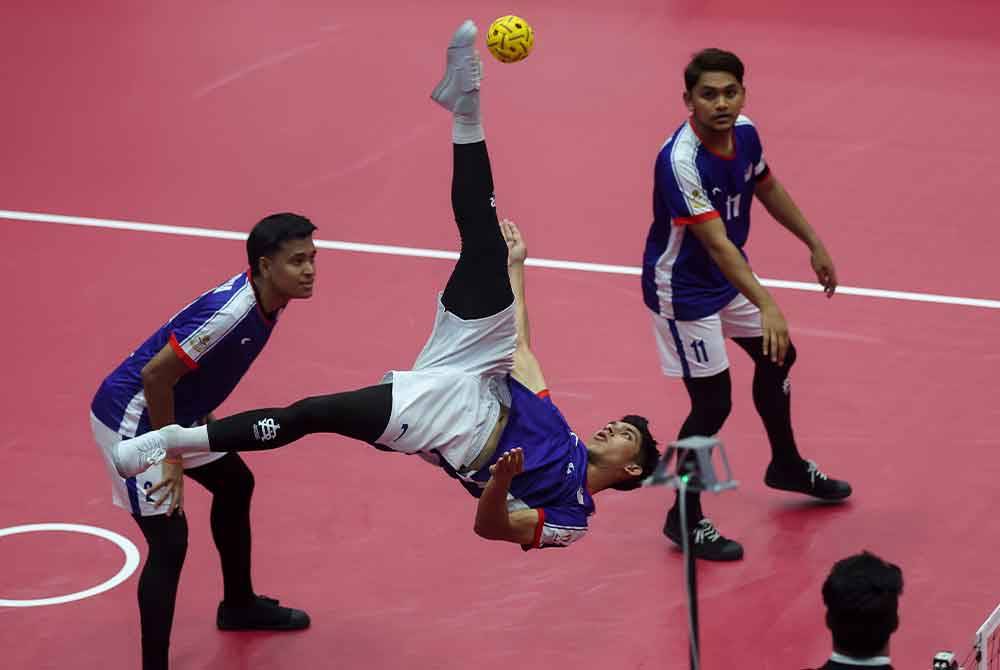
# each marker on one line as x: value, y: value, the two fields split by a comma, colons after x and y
x: 466, y: 129
x: 182, y: 441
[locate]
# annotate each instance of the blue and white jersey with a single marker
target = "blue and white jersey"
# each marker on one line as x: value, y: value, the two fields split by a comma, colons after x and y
x: 217, y: 336
x: 692, y: 185
x: 554, y: 480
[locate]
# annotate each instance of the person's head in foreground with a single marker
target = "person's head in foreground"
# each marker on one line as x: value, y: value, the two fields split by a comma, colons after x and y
x: 714, y: 93
x: 282, y: 256
x: 625, y: 450
x: 861, y: 595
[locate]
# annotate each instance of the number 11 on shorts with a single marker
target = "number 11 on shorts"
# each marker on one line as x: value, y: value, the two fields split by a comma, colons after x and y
x: 700, y: 352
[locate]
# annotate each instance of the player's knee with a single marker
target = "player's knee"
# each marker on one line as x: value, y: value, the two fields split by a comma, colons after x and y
x: 710, y: 405
x: 236, y: 482
x: 708, y: 413
x: 766, y: 366
x: 790, y: 357
x: 241, y: 481
x: 171, y: 545
x: 714, y: 414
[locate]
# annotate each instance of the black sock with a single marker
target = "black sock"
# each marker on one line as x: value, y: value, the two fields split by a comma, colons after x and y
x: 711, y: 402
x: 479, y: 285
x: 772, y: 397
x: 362, y: 415
x: 231, y: 484
x: 157, y: 593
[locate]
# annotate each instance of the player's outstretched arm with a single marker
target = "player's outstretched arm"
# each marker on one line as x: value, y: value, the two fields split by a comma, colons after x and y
x: 493, y: 521
x: 159, y: 376
x: 526, y: 367
x: 780, y: 205
x: 712, y: 235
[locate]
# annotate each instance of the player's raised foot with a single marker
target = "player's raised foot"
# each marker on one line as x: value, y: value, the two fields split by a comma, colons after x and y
x: 262, y: 614
x: 458, y: 90
x: 138, y: 454
x: 806, y: 478
x: 704, y: 539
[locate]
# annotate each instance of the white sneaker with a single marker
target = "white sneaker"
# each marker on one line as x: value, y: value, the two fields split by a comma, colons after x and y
x: 138, y: 454
x: 458, y: 90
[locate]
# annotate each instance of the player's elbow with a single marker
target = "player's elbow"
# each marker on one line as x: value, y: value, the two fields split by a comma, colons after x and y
x: 487, y: 531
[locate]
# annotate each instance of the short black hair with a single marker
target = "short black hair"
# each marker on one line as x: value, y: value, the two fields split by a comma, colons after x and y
x: 648, y: 455
x: 861, y: 595
x: 271, y: 232
x: 712, y: 60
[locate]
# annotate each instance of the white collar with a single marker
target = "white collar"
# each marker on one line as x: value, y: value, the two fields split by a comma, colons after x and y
x: 850, y: 660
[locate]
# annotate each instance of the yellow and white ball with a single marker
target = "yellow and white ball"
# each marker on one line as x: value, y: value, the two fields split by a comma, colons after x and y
x: 510, y: 39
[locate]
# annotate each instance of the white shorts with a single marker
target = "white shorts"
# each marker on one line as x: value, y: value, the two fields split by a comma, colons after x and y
x: 130, y: 493
x: 698, y: 348
x: 450, y: 401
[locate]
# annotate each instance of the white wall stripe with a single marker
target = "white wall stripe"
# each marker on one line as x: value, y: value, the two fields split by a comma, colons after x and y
x: 438, y: 253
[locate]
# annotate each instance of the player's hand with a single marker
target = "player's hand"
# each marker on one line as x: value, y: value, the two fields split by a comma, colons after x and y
x: 775, y: 329
x: 171, y: 486
x: 516, y: 249
x: 825, y: 272
x: 510, y: 464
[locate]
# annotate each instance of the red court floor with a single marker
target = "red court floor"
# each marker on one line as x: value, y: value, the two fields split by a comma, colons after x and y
x: 876, y: 115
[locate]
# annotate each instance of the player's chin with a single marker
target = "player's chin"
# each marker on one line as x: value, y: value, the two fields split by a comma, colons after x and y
x: 304, y: 291
x: 724, y: 123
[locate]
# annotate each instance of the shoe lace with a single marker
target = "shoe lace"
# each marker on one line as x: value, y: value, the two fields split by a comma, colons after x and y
x: 706, y: 532
x: 814, y: 473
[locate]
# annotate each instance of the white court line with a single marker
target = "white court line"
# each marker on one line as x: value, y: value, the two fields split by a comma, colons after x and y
x: 438, y: 253
x: 129, y: 549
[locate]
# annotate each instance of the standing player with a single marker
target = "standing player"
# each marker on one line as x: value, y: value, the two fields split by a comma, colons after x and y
x: 475, y: 401
x: 180, y: 375
x: 698, y: 284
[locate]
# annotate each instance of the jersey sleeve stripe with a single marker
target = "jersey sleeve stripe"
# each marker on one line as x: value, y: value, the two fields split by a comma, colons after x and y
x: 687, y: 177
x: 225, y: 319
x: 544, y: 393
x: 181, y: 354
x: 697, y: 218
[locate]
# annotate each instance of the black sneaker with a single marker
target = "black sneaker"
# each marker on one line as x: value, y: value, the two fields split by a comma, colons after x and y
x: 262, y: 614
x: 806, y: 478
x: 705, y: 541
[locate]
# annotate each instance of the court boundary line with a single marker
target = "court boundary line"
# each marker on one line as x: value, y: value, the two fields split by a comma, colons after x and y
x: 417, y: 252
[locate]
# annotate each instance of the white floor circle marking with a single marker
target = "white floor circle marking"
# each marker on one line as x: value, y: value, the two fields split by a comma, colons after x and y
x: 129, y: 549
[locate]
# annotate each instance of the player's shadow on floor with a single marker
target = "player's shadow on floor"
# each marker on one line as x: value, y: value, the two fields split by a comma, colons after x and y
x: 794, y: 522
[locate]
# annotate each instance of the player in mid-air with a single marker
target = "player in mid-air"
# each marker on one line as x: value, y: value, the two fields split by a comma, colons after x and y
x: 180, y: 375
x: 699, y: 285
x: 475, y: 401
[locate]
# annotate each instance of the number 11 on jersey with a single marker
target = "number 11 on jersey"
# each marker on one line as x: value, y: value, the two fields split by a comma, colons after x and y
x: 700, y: 352
x: 733, y: 206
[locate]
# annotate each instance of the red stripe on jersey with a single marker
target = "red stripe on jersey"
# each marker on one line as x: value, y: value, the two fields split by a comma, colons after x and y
x: 537, y: 542
x: 697, y: 218
x: 544, y: 393
x: 181, y: 354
